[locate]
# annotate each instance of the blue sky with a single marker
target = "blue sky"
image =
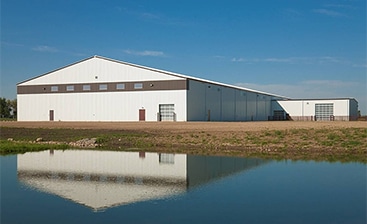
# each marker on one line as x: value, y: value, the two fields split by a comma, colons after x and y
x: 296, y: 48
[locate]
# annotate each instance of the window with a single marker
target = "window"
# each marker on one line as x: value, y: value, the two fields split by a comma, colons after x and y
x: 54, y: 88
x: 70, y: 88
x: 86, y: 87
x: 103, y: 87
x: 166, y: 158
x: 120, y: 86
x: 138, y: 85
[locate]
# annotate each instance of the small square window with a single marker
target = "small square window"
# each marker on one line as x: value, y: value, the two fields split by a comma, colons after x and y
x: 54, y: 88
x: 138, y: 85
x: 103, y: 87
x: 70, y: 88
x: 120, y: 86
x: 86, y: 87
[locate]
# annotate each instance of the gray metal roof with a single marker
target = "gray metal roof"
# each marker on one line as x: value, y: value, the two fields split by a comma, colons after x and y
x: 314, y: 99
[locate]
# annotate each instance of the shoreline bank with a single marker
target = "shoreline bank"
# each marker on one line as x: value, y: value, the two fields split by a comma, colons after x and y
x: 329, y: 141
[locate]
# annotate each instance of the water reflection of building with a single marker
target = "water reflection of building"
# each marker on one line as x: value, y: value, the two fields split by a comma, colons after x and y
x: 101, y: 179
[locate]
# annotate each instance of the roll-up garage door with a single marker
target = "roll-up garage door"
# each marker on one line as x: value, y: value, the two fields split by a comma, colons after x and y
x: 324, y: 111
x: 167, y: 112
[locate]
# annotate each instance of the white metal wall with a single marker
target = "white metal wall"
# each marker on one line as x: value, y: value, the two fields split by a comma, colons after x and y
x: 101, y: 106
x: 225, y: 103
x: 99, y: 70
x: 306, y: 108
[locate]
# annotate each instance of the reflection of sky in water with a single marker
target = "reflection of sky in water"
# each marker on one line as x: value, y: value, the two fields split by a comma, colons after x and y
x: 100, y: 179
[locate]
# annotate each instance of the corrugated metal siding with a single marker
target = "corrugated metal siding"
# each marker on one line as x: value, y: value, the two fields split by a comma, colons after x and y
x: 108, y: 106
x: 353, y: 109
x: 250, y: 106
x: 96, y: 70
x: 196, y: 101
x: 241, y: 104
x: 228, y: 104
x: 206, y: 101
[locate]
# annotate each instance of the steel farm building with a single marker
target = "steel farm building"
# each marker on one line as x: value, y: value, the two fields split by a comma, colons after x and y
x: 103, y: 89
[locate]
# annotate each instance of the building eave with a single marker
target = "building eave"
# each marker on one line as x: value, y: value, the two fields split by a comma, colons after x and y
x: 162, y: 72
x: 44, y: 74
x: 315, y: 99
x: 193, y: 78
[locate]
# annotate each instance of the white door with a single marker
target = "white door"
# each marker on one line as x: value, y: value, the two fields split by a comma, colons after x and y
x: 324, y: 111
x: 167, y: 112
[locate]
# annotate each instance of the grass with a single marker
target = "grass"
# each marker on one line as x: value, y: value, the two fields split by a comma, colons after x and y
x: 11, y: 147
x: 8, y: 119
x: 341, y: 144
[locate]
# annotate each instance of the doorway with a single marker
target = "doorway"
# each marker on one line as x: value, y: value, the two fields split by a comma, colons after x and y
x: 51, y: 115
x: 167, y: 112
x: 141, y: 114
x: 324, y: 111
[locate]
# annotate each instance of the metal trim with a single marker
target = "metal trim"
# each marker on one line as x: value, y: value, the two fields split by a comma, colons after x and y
x: 111, y: 87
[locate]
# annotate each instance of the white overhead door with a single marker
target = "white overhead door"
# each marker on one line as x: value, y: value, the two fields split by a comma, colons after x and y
x: 167, y: 112
x: 324, y: 111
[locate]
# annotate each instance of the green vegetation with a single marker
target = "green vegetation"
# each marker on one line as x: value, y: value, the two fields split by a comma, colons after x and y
x: 11, y: 147
x: 8, y: 109
x: 330, y: 144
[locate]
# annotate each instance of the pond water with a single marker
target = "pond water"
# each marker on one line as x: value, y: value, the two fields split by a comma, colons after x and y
x: 81, y: 186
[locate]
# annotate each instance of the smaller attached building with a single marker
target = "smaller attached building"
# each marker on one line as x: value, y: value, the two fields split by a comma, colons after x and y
x: 334, y: 109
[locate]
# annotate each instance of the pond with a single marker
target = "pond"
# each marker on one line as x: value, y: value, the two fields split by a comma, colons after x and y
x: 86, y: 186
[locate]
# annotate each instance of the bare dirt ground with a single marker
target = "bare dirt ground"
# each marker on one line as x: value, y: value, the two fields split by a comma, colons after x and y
x: 183, y: 127
x: 333, y: 141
